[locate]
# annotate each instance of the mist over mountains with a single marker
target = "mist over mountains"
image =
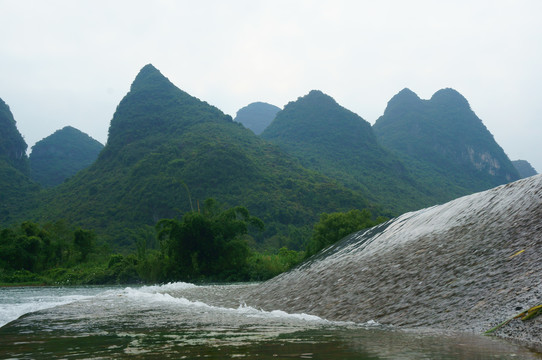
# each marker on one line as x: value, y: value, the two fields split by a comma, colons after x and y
x: 167, y: 151
x: 257, y: 116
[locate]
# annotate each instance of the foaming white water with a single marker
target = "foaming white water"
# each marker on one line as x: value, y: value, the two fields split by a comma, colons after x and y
x: 466, y: 265
x: 172, y: 286
x: 162, y: 294
x: 497, y: 203
x: 153, y: 294
x: 153, y: 306
x: 18, y: 301
x: 253, y: 312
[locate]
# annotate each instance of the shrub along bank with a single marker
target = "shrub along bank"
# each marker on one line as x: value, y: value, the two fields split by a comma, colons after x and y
x: 208, y: 245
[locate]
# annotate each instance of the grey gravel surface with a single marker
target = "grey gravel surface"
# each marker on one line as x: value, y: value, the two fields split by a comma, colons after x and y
x: 465, y: 266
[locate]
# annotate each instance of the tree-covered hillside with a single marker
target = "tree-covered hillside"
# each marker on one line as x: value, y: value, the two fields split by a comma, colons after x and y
x: 257, y: 116
x: 62, y: 154
x: 444, y: 143
x: 330, y: 139
x: 168, y: 151
x: 16, y: 189
x: 12, y: 145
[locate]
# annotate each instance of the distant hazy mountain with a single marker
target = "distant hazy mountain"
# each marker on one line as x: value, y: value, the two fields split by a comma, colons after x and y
x: 61, y: 155
x: 444, y: 143
x: 524, y: 168
x: 257, y: 116
x: 330, y: 139
x: 168, y: 151
x: 16, y: 189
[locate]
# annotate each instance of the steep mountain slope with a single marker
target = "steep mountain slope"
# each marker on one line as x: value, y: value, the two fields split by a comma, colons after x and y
x: 16, y: 189
x: 257, y: 116
x: 61, y: 155
x: 444, y: 142
x: 12, y: 145
x: 330, y: 139
x: 168, y: 150
x: 524, y: 168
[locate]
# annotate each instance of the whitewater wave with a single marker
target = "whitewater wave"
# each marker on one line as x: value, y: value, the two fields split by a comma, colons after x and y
x: 163, y: 294
x: 16, y: 302
x: 168, y: 301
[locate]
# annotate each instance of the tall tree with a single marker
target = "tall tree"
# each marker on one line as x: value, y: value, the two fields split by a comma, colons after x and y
x: 208, y: 243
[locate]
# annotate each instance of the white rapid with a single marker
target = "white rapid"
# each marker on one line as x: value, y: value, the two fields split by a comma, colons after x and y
x: 465, y: 266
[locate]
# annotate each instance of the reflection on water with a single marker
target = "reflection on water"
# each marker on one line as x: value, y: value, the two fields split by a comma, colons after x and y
x: 187, y: 321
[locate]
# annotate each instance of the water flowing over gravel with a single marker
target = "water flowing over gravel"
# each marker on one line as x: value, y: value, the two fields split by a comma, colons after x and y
x: 463, y: 266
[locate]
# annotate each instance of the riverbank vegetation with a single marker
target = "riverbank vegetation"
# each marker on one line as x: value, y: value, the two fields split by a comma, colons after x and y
x: 211, y: 244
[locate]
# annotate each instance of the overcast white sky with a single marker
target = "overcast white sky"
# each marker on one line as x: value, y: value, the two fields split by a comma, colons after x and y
x: 70, y: 62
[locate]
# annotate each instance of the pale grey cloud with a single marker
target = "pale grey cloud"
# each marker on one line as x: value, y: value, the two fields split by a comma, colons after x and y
x: 66, y: 62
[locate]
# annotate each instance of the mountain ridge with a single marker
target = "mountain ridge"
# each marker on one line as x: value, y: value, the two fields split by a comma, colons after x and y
x: 16, y: 189
x: 331, y: 139
x: 446, y: 138
x: 13, y: 146
x: 167, y: 150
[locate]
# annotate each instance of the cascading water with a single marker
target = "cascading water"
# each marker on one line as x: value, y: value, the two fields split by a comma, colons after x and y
x: 466, y: 266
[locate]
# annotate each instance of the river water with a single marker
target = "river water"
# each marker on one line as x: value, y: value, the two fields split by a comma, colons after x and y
x: 461, y: 267
x: 181, y: 320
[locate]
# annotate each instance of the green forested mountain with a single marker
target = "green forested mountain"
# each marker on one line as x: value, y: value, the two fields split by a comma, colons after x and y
x: 61, y: 155
x: 12, y: 145
x: 330, y: 139
x: 524, y: 168
x: 16, y: 189
x: 168, y: 151
x: 257, y: 116
x: 444, y: 143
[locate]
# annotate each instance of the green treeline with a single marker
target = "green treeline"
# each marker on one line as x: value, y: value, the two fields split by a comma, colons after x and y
x: 335, y: 226
x: 208, y: 245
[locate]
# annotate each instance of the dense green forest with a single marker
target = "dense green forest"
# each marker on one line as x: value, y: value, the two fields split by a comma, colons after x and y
x: 12, y: 144
x: 142, y: 210
x: 168, y: 151
x: 444, y: 142
x: 330, y: 139
x: 17, y: 191
x: 61, y: 155
x: 211, y: 244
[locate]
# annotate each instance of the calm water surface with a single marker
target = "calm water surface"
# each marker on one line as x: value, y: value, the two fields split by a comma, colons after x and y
x: 186, y: 321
